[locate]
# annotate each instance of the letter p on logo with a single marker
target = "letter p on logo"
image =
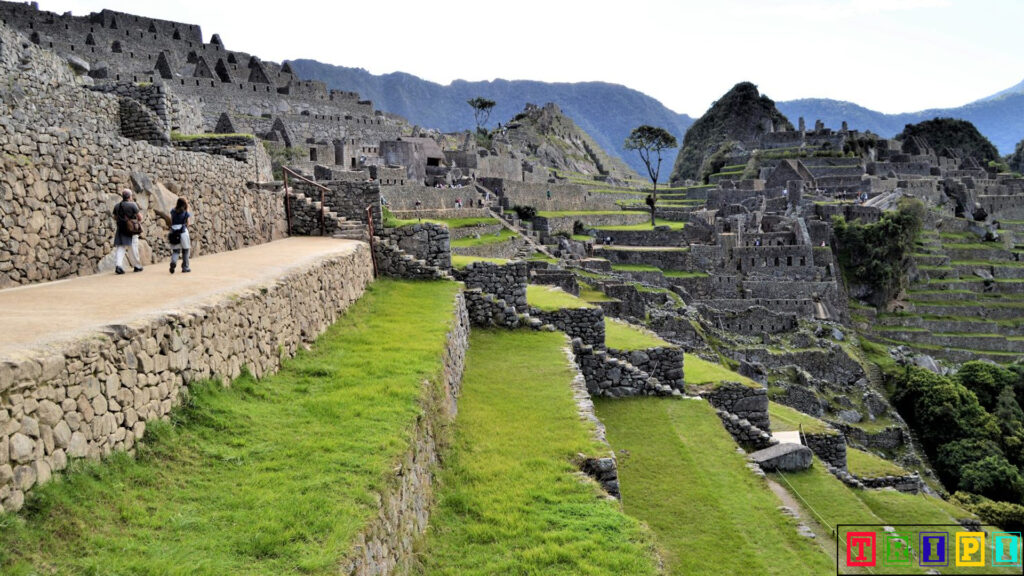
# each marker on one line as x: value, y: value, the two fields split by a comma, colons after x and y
x: 970, y: 549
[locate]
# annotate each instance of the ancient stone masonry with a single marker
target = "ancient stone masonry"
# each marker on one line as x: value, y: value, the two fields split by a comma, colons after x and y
x: 665, y: 364
x: 386, y: 545
x: 748, y: 403
x: 93, y: 396
x: 608, y: 376
x: 65, y: 163
x: 427, y: 241
x: 604, y: 470
x: 745, y: 433
x: 890, y: 438
x: 488, y: 310
x: 829, y: 446
x: 587, y: 324
x: 347, y: 199
x: 563, y: 279
x: 397, y: 263
x: 504, y: 281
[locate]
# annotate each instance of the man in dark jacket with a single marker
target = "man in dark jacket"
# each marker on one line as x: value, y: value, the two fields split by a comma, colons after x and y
x: 125, y: 211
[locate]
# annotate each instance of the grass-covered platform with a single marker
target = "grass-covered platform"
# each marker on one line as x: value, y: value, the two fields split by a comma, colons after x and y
x: 275, y: 476
x: 680, y: 473
x: 511, y: 501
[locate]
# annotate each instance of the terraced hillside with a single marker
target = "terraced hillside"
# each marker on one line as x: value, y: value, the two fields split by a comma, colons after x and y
x: 968, y: 298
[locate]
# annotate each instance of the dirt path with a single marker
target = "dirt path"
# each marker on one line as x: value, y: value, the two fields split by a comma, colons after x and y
x: 55, y: 311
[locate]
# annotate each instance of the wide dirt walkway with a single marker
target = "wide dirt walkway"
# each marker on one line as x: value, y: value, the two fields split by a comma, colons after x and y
x: 42, y: 313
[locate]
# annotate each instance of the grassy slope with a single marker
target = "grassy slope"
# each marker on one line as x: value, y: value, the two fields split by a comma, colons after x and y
x: 683, y: 477
x: 460, y: 261
x: 510, y: 502
x: 836, y: 504
x: 267, y: 477
x: 504, y: 235
x: 785, y: 418
x: 550, y: 298
x: 625, y: 336
x: 698, y: 371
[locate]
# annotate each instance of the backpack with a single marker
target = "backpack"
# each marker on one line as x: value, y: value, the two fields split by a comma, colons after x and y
x: 132, y: 226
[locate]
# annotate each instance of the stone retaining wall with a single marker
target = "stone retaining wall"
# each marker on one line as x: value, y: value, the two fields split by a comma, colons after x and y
x: 608, y: 376
x: 505, y: 281
x: 889, y: 438
x: 745, y: 433
x: 386, y: 545
x: 427, y: 241
x: 665, y: 364
x: 564, y: 279
x: 604, y: 470
x: 830, y: 447
x: 586, y: 324
x: 64, y: 164
x: 506, y: 249
x: 92, y: 396
x: 746, y: 402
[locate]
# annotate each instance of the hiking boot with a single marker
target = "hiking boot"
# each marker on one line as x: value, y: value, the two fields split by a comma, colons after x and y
x: 137, y: 269
x: 118, y: 270
x: 173, y: 264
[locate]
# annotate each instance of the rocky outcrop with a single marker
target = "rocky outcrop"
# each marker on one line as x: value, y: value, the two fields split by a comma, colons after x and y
x: 783, y: 457
x: 741, y: 115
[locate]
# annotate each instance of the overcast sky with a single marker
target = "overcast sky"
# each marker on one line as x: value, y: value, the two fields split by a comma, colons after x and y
x: 887, y: 55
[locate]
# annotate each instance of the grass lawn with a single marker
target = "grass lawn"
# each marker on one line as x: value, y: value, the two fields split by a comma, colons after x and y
x: 646, y: 226
x: 785, y: 419
x: 564, y: 213
x: 267, y: 477
x: 625, y: 336
x: 635, y: 268
x: 591, y: 294
x: 698, y: 372
x: 680, y: 473
x: 503, y: 236
x: 834, y: 503
x: 550, y: 298
x: 460, y: 261
x: 510, y: 501
x: 867, y: 465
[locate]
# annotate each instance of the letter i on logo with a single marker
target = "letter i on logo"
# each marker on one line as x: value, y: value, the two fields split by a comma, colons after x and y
x: 933, y: 548
x: 860, y: 549
x: 1006, y: 549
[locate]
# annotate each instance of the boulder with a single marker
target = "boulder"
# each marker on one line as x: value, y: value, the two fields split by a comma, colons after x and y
x: 785, y: 457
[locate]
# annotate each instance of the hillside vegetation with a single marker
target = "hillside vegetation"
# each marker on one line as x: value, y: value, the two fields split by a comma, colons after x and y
x: 741, y: 115
x: 957, y: 135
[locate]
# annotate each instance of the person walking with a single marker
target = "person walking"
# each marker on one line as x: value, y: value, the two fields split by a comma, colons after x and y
x: 179, y: 236
x: 129, y: 226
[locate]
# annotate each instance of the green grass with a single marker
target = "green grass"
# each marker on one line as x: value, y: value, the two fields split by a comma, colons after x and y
x: 551, y: 298
x: 267, y: 477
x: 504, y: 235
x: 460, y: 261
x: 680, y: 474
x: 625, y: 336
x: 867, y: 465
x: 591, y: 294
x: 834, y: 503
x: 785, y: 419
x: 510, y: 501
x: 645, y: 226
x: 698, y: 371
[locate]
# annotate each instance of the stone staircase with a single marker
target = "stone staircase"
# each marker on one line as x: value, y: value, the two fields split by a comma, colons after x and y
x: 393, y: 261
x: 486, y: 309
x: 509, y: 221
x: 306, y: 214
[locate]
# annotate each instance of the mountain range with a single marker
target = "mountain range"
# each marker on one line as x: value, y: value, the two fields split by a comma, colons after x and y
x: 608, y: 112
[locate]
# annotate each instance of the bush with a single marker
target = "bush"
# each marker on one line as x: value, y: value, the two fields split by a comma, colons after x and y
x: 1006, y: 515
x: 878, y: 255
x: 994, y: 477
x: 525, y: 212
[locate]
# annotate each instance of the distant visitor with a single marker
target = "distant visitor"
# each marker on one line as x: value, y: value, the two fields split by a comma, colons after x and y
x: 129, y: 226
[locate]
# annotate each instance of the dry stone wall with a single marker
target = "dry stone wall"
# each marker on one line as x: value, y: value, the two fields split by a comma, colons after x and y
x: 587, y: 324
x: 427, y: 241
x: 386, y: 545
x: 64, y: 164
x: 665, y: 364
x: 748, y: 403
x: 504, y: 281
x: 90, y: 397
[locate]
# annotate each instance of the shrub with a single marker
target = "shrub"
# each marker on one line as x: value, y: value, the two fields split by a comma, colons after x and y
x: 1006, y: 515
x: 994, y: 477
x: 525, y: 212
x: 877, y: 255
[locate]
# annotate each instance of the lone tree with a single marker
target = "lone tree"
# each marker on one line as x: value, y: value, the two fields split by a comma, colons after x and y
x: 481, y: 110
x: 648, y: 141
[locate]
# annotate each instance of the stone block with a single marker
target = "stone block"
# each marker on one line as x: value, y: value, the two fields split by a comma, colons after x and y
x: 22, y: 448
x: 783, y: 457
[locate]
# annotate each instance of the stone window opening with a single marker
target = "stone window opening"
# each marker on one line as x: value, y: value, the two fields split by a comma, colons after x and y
x: 312, y: 155
x: 803, y: 261
x: 789, y: 260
